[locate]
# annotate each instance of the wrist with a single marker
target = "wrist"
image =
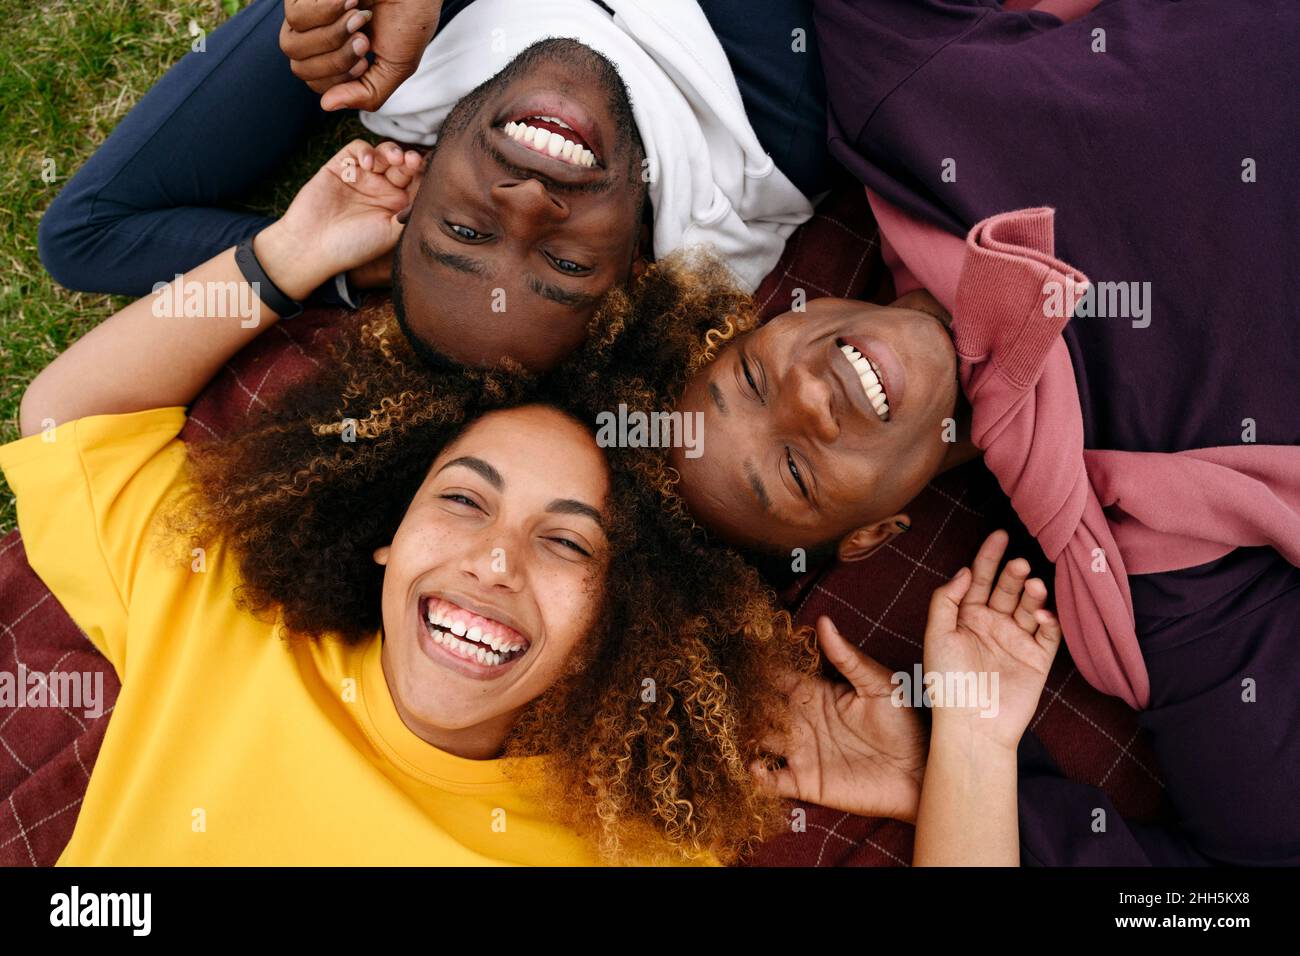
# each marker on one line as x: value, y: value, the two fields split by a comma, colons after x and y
x: 973, y: 737
x: 286, y: 259
x: 909, y: 811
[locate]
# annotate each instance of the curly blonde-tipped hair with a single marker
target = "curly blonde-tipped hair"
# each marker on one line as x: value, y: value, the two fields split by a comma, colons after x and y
x: 649, y: 741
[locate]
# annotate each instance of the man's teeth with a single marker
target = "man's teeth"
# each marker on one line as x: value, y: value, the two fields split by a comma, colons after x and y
x: 552, y: 144
x: 870, y: 381
x: 471, y: 643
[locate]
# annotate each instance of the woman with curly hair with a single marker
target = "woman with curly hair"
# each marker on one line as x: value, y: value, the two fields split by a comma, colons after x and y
x: 501, y: 643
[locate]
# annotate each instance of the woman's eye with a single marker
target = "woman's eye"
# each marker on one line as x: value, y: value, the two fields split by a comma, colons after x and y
x: 466, y: 233
x: 461, y: 500
x: 572, y: 546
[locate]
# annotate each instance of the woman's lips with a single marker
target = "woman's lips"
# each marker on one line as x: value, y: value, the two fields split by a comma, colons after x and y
x: 483, y: 650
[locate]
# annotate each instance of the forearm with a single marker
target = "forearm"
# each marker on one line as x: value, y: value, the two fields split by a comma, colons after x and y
x: 162, y: 349
x: 968, y: 811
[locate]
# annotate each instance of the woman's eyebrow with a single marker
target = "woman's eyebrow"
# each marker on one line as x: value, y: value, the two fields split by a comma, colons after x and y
x: 478, y: 465
x: 568, y: 506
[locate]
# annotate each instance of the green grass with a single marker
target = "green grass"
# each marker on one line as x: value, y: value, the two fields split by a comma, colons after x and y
x: 71, y: 71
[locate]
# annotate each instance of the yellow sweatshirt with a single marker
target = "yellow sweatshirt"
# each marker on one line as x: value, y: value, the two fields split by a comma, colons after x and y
x: 228, y: 745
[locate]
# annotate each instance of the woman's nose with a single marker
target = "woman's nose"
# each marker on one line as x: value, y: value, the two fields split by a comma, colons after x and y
x: 495, y: 561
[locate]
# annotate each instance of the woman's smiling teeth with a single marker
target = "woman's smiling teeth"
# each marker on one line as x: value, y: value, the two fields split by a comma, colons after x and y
x: 551, y: 143
x: 472, y: 637
x: 869, y: 377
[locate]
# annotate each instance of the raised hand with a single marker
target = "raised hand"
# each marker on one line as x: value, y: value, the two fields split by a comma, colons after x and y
x: 349, y: 215
x: 326, y: 42
x: 849, y: 746
x: 977, y: 626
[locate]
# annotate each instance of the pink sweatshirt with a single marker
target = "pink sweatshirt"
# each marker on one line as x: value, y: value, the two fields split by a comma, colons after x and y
x: 1099, y: 515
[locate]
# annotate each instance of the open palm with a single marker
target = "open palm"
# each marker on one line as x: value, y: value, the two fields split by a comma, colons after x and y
x: 985, y: 627
x: 849, y: 746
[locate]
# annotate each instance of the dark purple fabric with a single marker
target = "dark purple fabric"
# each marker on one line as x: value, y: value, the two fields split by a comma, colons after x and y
x: 1140, y: 149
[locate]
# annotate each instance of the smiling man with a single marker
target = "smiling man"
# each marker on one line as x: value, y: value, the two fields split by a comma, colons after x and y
x: 823, y: 425
x: 571, y: 140
x: 561, y: 128
x: 531, y: 207
x: 1177, y: 573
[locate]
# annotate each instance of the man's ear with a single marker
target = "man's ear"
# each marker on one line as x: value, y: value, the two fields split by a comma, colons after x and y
x: 641, y: 258
x: 381, y: 554
x: 864, y: 541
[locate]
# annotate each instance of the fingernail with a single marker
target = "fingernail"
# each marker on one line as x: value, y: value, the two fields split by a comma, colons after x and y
x: 359, y: 46
x: 358, y: 20
x: 902, y: 526
x: 348, y: 5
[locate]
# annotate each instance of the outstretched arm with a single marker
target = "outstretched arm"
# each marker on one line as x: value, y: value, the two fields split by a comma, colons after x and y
x: 968, y: 814
x: 162, y: 349
x: 860, y: 745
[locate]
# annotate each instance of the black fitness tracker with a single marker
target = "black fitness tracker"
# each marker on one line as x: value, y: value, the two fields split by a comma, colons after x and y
x: 267, y: 291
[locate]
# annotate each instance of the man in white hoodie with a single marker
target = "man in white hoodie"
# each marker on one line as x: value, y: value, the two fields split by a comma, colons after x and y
x: 572, y: 141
